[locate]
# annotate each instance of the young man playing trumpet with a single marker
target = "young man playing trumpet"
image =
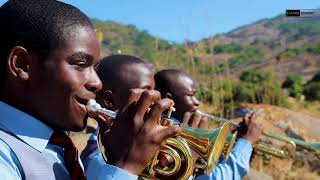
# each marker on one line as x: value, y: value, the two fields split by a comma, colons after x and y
x: 179, y: 87
x: 119, y: 74
x: 48, y: 53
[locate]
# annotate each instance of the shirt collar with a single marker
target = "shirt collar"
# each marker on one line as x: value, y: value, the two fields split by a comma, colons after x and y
x: 27, y: 128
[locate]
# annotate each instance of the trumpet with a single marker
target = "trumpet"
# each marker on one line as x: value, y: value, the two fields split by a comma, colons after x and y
x: 209, y: 145
x: 267, y: 150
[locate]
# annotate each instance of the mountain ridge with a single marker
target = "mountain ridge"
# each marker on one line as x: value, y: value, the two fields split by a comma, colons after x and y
x: 280, y: 44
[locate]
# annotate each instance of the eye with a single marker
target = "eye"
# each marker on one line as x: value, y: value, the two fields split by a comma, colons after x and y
x: 81, y: 64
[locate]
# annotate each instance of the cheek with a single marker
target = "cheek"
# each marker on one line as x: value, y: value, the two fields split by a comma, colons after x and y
x: 73, y: 80
x: 188, y: 102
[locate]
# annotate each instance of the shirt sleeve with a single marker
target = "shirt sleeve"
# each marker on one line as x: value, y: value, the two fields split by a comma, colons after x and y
x: 9, y: 164
x: 236, y: 166
x: 98, y: 169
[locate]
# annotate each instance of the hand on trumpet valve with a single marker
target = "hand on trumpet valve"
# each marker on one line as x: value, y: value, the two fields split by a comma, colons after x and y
x: 143, y: 134
x: 195, y: 120
x: 251, y: 127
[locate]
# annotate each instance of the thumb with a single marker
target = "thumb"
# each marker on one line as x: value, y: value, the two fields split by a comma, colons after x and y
x: 186, y: 118
x: 165, y: 133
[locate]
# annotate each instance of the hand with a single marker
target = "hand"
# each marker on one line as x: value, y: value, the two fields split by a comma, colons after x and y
x: 195, y: 120
x: 254, y: 127
x: 105, y: 122
x: 135, y: 135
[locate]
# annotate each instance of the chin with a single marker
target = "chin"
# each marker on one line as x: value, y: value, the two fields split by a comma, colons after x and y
x: 79, y: 125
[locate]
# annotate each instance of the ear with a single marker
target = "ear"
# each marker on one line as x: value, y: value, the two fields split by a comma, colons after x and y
x: 168, y: 95
x: 108, y: 99
x: 18, y: 63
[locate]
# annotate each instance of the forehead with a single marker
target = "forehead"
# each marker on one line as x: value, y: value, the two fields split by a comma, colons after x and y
x: 185, y: 84
x: 80, y: 39
x: 138, y: 75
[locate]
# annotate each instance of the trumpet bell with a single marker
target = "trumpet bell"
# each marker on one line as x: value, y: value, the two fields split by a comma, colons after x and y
x: 208, y: 145
x: 231, y: 140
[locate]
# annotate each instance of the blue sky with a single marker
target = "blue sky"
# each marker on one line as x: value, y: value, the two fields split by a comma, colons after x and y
x: 178, y: 20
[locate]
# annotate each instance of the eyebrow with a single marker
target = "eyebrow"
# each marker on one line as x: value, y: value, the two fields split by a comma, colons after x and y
x: 146, y: 87
x: 81, y: 55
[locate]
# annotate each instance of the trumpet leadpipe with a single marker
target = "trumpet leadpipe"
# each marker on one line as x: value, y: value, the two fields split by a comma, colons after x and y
x: 94, y: 108
x: 219, y: 119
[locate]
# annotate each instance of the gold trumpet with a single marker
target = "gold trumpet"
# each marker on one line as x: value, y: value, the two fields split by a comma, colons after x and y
x: 209, y: 145
x: 311, y: 147
x: 177, y: 148
x: 268, y: 150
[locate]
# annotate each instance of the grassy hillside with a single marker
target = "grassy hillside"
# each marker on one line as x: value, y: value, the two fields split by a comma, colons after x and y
x: 280, y: 44
x: 273, y: 47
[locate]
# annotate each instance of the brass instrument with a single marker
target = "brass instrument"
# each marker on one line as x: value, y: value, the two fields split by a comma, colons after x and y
x: 209, y: 145
x: 176, y: 148
x: 231, y: 140
x: 311, y: 147
x: 268, y: 150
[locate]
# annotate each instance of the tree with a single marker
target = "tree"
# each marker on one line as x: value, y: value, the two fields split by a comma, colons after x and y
x: 259, y: 87
x: 255, y: 76
x: 293, y: 84
x: 312, y: 91
x: 312, y: 88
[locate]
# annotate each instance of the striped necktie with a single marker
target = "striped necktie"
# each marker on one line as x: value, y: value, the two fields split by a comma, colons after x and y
x: 71, y: 156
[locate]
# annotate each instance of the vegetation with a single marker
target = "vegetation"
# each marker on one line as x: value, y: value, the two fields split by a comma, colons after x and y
x: 219, y: 63
x: 246, y: 56
x: 296, y: 31
x: 254, y: 87
x: 312, y: 88
x: 259, y: 87
x: 293, y: 84
x: 289, y: 53
x: 227, y: 48
x: 315, y: 49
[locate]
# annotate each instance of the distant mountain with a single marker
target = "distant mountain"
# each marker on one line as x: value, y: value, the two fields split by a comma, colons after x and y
x: 281, y: 44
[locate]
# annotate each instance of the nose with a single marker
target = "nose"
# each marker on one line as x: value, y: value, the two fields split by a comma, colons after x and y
x: 196, y: 102
x: 94, y: 83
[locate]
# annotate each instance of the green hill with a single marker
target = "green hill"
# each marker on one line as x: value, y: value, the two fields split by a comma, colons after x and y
x: 281, y: 44
x: 269, y: 50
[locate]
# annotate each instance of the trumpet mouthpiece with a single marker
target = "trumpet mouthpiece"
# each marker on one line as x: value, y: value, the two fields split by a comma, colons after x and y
x: 92, y: 105
x: 94, y: 108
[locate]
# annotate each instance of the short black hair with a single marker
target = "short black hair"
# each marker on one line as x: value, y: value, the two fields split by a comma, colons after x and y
x: 112, y: 69
x: 40, y: 26
x: 165, y: 79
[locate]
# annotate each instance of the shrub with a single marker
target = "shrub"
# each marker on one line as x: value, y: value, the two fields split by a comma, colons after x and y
x: 312, y: 91
x: 293, y: 84
x: 227, y: 48
x: 312, y: 88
